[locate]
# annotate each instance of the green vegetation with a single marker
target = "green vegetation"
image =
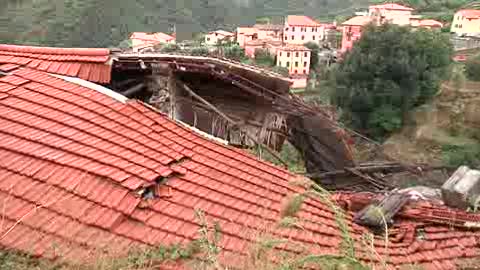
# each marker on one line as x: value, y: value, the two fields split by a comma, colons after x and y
x: 314, y: 48
x: 472, y: 69
x: 390, y: 70
x: 292, y: 206
x: 458, y: 155
x: 264, y: 58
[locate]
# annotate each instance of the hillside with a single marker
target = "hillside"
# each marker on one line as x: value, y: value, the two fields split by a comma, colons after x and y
x: 91, y: 23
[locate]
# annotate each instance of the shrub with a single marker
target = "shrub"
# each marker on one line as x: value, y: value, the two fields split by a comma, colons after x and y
x: 472, y: 69
x: 458, y: 155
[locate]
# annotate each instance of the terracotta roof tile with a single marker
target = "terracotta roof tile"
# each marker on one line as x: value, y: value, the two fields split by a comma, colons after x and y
x: 391, y: 6
x: 470, y: 13
x: 83, y: 156
x: 301, y: 20
x: 92, y: 64
x: 358, y: 21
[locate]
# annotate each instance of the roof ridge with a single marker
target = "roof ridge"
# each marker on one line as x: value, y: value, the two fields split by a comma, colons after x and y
x: 55, y: 50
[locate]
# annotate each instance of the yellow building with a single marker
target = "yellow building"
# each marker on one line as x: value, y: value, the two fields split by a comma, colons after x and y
x: 296, y: 58
x: 466, y: 22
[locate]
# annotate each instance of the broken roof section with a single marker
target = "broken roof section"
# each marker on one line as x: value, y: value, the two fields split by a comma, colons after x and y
x: 85, y: 63
x: 75, y: 162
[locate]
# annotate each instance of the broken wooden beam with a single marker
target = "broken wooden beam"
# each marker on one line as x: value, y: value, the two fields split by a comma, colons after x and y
x: 231, y: 121
x: 133, y: 90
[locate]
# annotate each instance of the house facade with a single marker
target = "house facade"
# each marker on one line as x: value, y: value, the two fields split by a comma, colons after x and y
x: 391, y: 13
x: 352, y: 31
x: 246, y: 34
x: 212, y: 38
x: 296, y: 58
x: 466, y: 22
x: 265, y: 44
x: 299, y: 30
x: 269, y: 31
x: 379, y: 14
x: 142, y: 40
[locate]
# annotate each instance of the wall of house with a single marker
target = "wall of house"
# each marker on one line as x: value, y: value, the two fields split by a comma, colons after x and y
x: 350, y: 34
x: 462, y: 25
x: 400, y: 17
x: 250, y: 50
x: 300, y: 35
x: 213, y: 38
x: 245, y: 35
x: 269, y: 34
x: 297, y: 62
x: 300, y: 82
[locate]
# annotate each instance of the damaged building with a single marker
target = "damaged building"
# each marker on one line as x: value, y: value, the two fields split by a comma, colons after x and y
x: 86, y: 173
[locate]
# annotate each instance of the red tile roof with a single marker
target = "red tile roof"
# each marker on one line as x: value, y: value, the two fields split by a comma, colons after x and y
x: 430, y: 23
x: 301, y: 20
x: 358, y: 21
x: 469, y: 13
x: 155, y: 37
x: 72, y: 161
x: 391, y: 6
x: 88, y: 64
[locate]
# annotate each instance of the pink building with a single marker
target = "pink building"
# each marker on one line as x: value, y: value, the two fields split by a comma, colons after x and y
x: 301, y: 29
x: 246, y: 34
x: 142, y: 40
x: 352, y: 31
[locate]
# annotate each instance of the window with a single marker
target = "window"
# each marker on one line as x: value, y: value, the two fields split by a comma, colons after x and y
x: 296, y: 64
x: 288, y: 64
x: 296, y: 54
x: 306, y: 54
x: 286, y: 28
x: 286, y: 38
x: 280, y: 63
x: 293, y: 37
x: 303, y: 37
x: 313, y: 29
x: 305, y: 64
x: 313, y: 37
x: 280, y: 53
x: 296, y: 71
x: 208, y: 39
x: 293, y: 29
x: 288, y: 54
x: 304, y: 71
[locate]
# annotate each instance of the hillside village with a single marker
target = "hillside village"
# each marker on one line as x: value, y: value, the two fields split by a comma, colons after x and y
x: 222, y: 151
x: 285, y: 43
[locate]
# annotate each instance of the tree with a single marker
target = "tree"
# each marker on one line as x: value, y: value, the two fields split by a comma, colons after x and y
x: 314, y: 50
x: 389, y: 71
x: 264, y: 58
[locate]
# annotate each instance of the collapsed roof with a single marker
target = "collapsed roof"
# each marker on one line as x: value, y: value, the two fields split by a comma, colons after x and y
x: 85, y: 171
